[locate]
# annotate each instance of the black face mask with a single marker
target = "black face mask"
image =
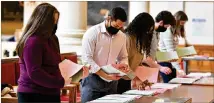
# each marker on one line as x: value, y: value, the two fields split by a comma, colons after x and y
x: 54, y: 29
x: 161, y: 29
x: 112, y: 30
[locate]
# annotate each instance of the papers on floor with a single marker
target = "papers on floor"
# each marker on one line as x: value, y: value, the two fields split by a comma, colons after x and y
x: 115, y: 98
x: 69, y: 68
x: 146, y: 73
x: 199, y: 74
x: 185, y: 51
x: 164, y: 86
x: 184, y: 80
x: 166, y: 56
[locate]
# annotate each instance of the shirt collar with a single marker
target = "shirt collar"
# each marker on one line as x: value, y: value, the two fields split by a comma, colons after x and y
x: 104, y: 31
x: 103, y: 27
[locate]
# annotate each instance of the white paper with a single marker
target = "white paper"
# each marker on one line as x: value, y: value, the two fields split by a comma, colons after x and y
x: 140, y: 92
x: 183, y: 80
x: 69, y: 68
x: 115, y: 98
x: 199, y: 74
x: 165, y: 86
x: 109, y: 69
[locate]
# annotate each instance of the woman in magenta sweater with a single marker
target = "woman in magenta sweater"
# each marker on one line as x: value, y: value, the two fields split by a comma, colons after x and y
x: 40, y: 78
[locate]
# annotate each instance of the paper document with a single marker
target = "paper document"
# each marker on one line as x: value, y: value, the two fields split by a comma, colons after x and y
x: 115, y: 98
x: 185, y: 51
x: 183, y: 80
x: 146, y: 73
x: 109, y: 69
x: 69, y: 68
x: 199, y: 74
x: 165, y: 85
x: 148, y: 92
x: 140, y: 92
x: 166, y: 56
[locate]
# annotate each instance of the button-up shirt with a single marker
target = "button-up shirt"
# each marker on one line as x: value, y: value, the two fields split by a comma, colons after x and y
x: 99, y: 48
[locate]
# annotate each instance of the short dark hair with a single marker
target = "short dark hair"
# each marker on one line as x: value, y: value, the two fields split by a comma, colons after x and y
x: 118, y: 13
x: 166, y: 16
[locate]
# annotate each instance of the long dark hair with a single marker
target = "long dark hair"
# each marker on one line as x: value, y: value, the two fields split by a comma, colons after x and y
x: 142, y: 28
x: 179, y: 16
x: 41, y: 23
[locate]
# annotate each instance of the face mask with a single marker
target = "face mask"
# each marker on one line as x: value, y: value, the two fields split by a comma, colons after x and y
x: 112, y: 30
x: 54, y: 29
x: 161, y: 29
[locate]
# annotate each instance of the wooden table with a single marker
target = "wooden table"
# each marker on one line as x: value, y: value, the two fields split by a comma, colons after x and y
x: 186, y: 59
x: 199, y: 94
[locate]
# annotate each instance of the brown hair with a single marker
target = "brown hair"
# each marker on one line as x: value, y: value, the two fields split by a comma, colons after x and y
x: 179, y: 16
x: 41, y: 23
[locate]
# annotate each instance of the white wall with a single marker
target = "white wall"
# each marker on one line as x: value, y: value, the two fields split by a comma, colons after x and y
x: 173, y: 7
x: 199, y: 28
x: 197, y: 32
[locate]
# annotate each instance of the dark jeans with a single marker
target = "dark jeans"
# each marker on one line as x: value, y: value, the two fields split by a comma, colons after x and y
x: 37, y: 98
x: 93, y: 87
x: 167, y: 78
x: 123, y: 86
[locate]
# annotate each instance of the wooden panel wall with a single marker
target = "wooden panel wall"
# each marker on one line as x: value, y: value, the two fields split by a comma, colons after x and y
x: 202, y: 66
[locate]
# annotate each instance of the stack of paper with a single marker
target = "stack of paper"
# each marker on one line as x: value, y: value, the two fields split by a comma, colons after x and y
x: 183, y: 80
x: 115, y: 98
x: 165, y: 85
x: 148, y: 92
x: 185, y: 51
x: 199, y: 74
x: 109, y: 69
x: 166, y: 56
x: 140, y: 92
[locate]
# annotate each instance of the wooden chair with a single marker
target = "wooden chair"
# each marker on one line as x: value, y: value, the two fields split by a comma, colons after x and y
x: 68, y: 95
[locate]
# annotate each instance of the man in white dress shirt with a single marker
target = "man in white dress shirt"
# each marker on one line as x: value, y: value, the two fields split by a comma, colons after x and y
x: 104, y: 44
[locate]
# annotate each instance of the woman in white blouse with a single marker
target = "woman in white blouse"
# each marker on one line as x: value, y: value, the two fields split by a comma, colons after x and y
x: 169, y: 41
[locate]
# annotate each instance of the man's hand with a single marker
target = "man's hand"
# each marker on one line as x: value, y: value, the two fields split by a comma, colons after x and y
x: 108, y: 76
x: 122, y: 67
x: 180, y: 73
x: 173, y: 60
x: 165, y: 70
x: 68, y: 81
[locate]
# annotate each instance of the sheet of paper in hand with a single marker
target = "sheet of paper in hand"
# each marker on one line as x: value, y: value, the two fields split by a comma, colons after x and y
x: 166, y: 56
x: 109, y: 69
x: 186, y: 51
x: 146, y: 73
x: 69, y: 68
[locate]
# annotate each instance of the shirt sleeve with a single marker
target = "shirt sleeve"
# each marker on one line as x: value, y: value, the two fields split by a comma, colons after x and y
x: 33, y: 60
x: 88, y: 48
x: 168, y: 40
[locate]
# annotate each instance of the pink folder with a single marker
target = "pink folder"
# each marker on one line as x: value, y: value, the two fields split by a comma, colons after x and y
x: 147, y: 73
x: 69, y: 68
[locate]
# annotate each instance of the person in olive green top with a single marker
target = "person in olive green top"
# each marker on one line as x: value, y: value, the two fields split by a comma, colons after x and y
x: 139, y: 35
